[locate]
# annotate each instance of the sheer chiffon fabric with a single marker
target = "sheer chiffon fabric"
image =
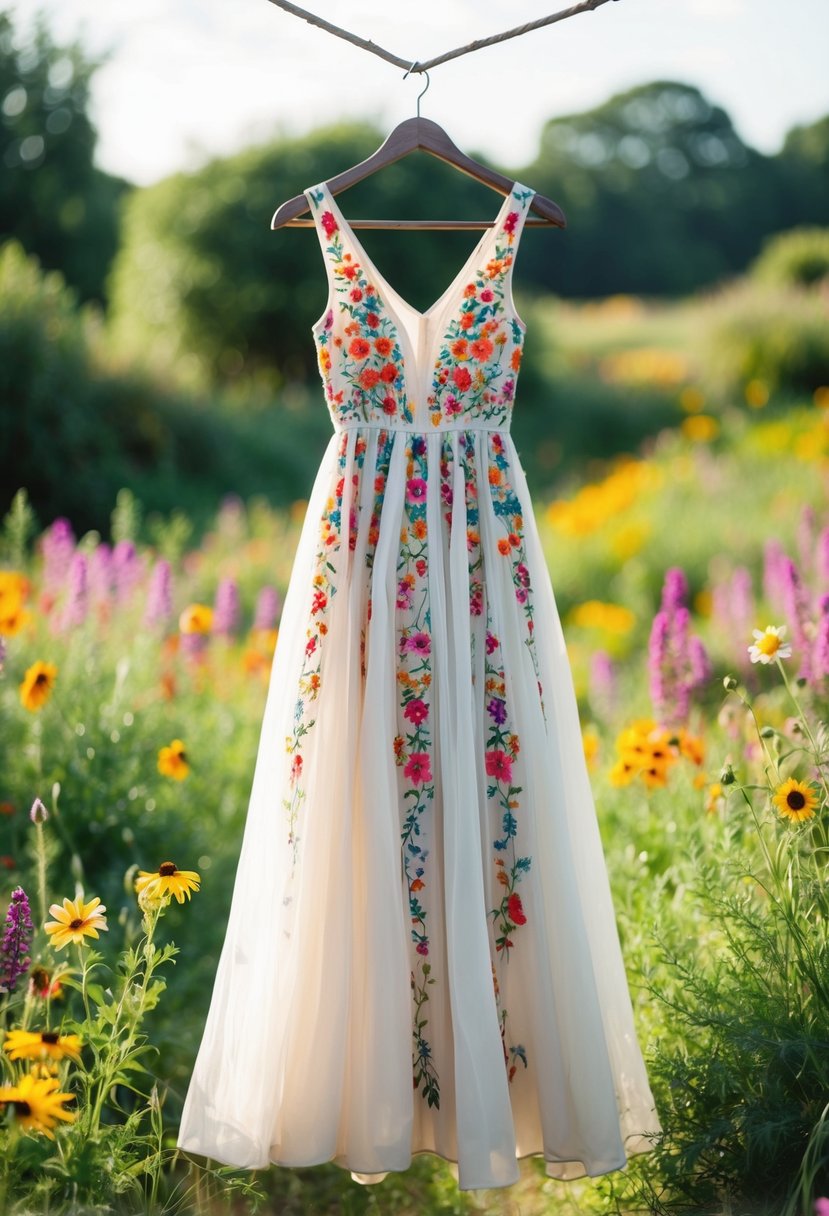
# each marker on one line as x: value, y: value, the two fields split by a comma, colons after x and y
x: 421, y: 952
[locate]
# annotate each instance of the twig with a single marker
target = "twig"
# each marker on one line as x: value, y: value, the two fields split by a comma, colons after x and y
x: 410, y: 66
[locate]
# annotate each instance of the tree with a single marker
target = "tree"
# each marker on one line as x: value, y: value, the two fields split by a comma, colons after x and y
x: 52, y: 197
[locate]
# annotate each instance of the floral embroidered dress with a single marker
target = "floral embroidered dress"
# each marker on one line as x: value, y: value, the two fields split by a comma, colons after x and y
x: 421, y: 953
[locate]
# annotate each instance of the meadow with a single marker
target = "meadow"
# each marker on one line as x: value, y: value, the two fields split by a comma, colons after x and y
x: 135, y: 667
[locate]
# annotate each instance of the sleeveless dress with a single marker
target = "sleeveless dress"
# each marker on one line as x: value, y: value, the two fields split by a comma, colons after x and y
x: 421, y: 952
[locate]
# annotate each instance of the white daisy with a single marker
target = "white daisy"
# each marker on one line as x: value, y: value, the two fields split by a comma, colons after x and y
x: 769, y: 645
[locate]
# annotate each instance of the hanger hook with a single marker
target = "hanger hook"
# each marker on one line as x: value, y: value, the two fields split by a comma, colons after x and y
x: 425, y: 90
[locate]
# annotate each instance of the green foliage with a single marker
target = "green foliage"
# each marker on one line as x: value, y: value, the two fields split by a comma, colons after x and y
x: 52, y: 198
x: 799, y: 258
x: 778, y: 336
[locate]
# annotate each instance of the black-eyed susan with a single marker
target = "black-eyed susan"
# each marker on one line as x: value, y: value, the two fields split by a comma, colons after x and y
x: 37, y: 684
x: 38, y: 1103
x: 173, y: 762
x: 768, y: 644
x: 167, y: 880
x: 795, y: 800
x: 75, y: 921
x: 42, y: 1045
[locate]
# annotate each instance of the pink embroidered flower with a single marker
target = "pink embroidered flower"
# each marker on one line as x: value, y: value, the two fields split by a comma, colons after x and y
x: 329, y: 319
x: 452, y: 405
x: 515, y: 909
x: 487, y: 295
x: 416, y: 490
x: 328, y: 223
x: 418, y: 643
x: 422, y: 947
x: 491, y: 643
x: 498, y: 765
x: 416, y: 711
x: 418, y: 770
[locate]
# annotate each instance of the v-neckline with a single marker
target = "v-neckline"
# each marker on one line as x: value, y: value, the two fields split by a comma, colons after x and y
x: 462, y: 273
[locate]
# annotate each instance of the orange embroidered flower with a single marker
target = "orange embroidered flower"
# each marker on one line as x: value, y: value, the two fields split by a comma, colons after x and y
x: 388, y: 374
x: 503, y: 546
x: 383, y: 346
x: 481, y: 349
x: 495, y: 475
x: 460, y: 348
x: 467, y: 320
x: 514, y: 539
x: 515, y: 359
x: 359, y: 348
x: 469, y: 290
x: 494, y: 267
x: 369, y: 377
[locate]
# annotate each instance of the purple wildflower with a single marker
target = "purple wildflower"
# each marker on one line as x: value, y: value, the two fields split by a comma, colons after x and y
x: 773, y: 558
x: 701, y: 669
x: 820, y: 657
x: 677, y: 662
x: 100, y: 573
x: 57, y: 546
x: 126, y: 569
x: 76, y: 604
x: 658, y: 647
x: 159, y: 594
x: 822, y: 560
x: 602, y: 683
x: 226, y: 611
x: 17, y: 940
x: 267, y: 609
x: 796, y: 611
x: 674, y: 590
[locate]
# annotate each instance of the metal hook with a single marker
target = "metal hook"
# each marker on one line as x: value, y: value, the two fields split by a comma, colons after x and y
x: 425, y: 90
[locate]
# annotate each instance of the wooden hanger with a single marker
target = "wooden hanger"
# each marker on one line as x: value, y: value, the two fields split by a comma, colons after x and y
x: 418, y: 134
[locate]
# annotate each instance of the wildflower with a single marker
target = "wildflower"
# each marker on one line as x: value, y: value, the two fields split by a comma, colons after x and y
x: 173, y: 762
x: 17, y: 940
x: 43, y: 985
x: 159, y: 594
x: 100, y: 573
x: 126, y: 569
x: 167, y: 880
x: 77, y: 592
x: 42, y: 1045
x: 196, y: 618
x: 714, y: 797
x: 821, y: 651
x: 795, y: 800
x: 75, y: 921
x: 38, y: 813
x: 57, y: 545
x: 37, y: 685
x: 14, y: 588
x: 226, y: 609
x: 769, y: 645
x: 267, y: 610
x: 37, y: 1104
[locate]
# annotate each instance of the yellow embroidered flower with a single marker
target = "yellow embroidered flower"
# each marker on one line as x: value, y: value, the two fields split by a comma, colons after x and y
x: 168, y: 879
x: 37, y: 685
x: 795, y: 800
x: 75, y: 921
x: 42, y: 1045
x: 769, y: 645
x: 38, y: 1104
x: 172, y: 761
x: 196, y: 618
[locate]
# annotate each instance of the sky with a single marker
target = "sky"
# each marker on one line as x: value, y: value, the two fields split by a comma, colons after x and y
x: 189, y: 79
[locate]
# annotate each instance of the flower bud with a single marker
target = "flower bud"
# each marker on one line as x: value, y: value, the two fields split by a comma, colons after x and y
x: 727, y: 776
x: 38, y: 813
x: 768, y: 732
x: 729, y: 683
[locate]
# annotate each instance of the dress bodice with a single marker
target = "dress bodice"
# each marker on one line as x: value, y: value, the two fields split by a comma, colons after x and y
x: 384, y: 363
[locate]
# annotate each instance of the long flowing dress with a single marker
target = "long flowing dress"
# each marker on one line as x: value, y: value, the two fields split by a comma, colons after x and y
x: 421, y: 953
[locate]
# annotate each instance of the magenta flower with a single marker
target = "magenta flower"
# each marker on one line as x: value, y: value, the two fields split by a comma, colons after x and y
x: 57, y: 546
x: 17, y: 941
x: 796, y: 611
x: 126, y: 569
x: 820, y: 657
x: 416, y: 711
x: 418, y: 643
x: 418, y: 770
x: 416, y: 490
x: 100, y: 574
x: 76, y: 605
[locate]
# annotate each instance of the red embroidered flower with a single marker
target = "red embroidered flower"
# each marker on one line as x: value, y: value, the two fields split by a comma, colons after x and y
x: 481, y: 349
x: 462, y: 378
x: 369, y: 377
x: 372, y: 320
x: 359, y: 348
x: 383, y: 346
x: 416, y: 711
x: 487, y: 295
x: 422, y: 947
x: 388, y: 373
x: 319, y: 601
x: 510, y: 222
x: 418, y: 770
x: 515, y: 909
x: 329, y: 224
x: 498, y: 765
x: 296, y: 768
x: 389, y: 406
x: 356, y: 294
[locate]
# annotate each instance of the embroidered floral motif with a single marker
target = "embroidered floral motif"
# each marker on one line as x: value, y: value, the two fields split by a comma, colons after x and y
x: 508, y: 510
x: 366, y: 348
x: 478, y: 362
x: 413, y: 745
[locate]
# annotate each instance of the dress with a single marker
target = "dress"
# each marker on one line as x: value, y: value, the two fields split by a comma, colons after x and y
x: 421, y: 952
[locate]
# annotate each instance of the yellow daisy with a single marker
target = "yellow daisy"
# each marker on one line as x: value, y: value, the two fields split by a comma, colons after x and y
x: 795, y: 800
x: 42, y: 1045
x: 172, y: 761
x: 38, y: 1104
x: 37, y: 685
x: 75, y: 921
x: 168, y: 879
x: 196, y: 618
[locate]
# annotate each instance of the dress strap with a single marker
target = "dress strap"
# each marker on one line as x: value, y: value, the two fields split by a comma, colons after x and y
x: 511, y: 225
x: 326, y: 224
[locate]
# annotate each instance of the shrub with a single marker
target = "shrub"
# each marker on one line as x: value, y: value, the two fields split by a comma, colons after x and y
x: 799, y: 258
